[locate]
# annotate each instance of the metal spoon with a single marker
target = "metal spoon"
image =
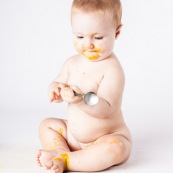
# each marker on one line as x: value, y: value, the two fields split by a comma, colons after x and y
x: 90, y: 98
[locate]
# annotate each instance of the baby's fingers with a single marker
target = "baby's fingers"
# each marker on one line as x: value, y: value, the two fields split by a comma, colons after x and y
x: 57, y: 91
x: 55, y: 97
x: 67, y: 93
x: 76, y: 89
x: 52, y: 96
x: 77, y: 94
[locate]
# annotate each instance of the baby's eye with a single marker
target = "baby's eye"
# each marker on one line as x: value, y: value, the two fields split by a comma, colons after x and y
x: 98, y: 38
x: 80, y: 37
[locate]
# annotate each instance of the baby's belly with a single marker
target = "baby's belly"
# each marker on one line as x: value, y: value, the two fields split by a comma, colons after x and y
x: 86, y: 129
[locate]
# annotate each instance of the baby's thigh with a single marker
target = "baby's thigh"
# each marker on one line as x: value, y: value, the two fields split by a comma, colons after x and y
x: 118, y: 144
x: 60, y: 126
x: 55, y: 124
x: 72, y: 141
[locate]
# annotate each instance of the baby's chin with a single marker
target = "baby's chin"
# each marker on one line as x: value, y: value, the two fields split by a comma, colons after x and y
x: 92, y: 57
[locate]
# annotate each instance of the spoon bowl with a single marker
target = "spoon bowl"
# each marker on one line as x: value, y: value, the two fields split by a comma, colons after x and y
x: 90, y: 98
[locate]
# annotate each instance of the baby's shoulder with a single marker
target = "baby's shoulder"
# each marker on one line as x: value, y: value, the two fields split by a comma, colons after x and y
x: 113, y: 65
x: 72, y: 60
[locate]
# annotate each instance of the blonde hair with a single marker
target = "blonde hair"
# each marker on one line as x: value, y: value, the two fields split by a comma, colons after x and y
x: 113, y: 7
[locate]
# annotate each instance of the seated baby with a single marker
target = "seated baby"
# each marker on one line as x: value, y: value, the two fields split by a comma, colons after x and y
x: 95, y: 137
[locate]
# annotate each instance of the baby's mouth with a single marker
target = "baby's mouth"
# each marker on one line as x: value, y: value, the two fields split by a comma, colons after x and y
x: 91, y: 55
x: 91, y: 50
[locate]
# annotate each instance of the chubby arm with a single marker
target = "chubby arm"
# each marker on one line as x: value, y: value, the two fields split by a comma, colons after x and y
x: 60, y: 81
x: 63, y: 76
x: 110, y: 93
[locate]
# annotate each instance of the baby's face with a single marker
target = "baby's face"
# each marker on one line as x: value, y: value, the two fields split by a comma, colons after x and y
x: 94, y: 35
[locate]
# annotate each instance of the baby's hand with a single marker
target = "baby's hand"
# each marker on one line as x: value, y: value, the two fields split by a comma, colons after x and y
x: 68, y: 94
x: 54, y: 92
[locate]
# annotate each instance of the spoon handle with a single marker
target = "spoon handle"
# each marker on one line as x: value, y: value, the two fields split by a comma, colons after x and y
x: 77, y: 94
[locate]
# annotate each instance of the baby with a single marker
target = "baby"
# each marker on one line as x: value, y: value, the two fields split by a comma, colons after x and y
x: 94, y: 137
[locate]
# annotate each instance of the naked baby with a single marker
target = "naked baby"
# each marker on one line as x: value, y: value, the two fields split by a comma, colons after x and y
x: 95, y: 137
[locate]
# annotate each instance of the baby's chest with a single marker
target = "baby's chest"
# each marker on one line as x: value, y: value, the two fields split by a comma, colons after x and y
x: 85, y: 80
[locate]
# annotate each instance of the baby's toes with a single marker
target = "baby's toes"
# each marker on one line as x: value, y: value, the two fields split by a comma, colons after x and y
x: 38, y: 162
x: 38, y: 154
x: 48, y: 165
x: 56, y: 169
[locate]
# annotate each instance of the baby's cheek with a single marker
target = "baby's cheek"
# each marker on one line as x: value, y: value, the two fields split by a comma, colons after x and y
x: 75, y: 44
x: 78, y: 47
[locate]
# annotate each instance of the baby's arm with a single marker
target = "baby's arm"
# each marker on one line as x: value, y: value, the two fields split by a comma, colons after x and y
x: 110, y: 93
x: 60, y: 81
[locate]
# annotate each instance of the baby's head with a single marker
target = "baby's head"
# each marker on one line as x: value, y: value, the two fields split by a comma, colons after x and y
x: 112, y: 7
x: 95, y: 24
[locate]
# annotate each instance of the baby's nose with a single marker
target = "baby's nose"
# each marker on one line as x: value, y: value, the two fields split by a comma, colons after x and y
x: 89, y: 44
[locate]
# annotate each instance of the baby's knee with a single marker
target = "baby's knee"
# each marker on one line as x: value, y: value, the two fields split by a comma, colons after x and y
x: 119, y: 150
x: 46, y: 122
x: 53, y: 124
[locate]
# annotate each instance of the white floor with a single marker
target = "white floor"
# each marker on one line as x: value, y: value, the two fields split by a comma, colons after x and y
x: 151, y: 153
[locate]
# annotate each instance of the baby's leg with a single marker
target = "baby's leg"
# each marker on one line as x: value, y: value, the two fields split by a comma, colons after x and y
x: 53, y: 135
x: 105, y: 152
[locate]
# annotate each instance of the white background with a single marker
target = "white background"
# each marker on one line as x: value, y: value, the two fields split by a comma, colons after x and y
x: 35, y: 40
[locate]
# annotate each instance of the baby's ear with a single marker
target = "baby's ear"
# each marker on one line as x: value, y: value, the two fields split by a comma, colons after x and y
x: 117, y: 32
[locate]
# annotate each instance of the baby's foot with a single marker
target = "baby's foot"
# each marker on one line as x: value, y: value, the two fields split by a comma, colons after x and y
x: 48, y: 160
x: 58, y: 165
x: 44, y: 158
